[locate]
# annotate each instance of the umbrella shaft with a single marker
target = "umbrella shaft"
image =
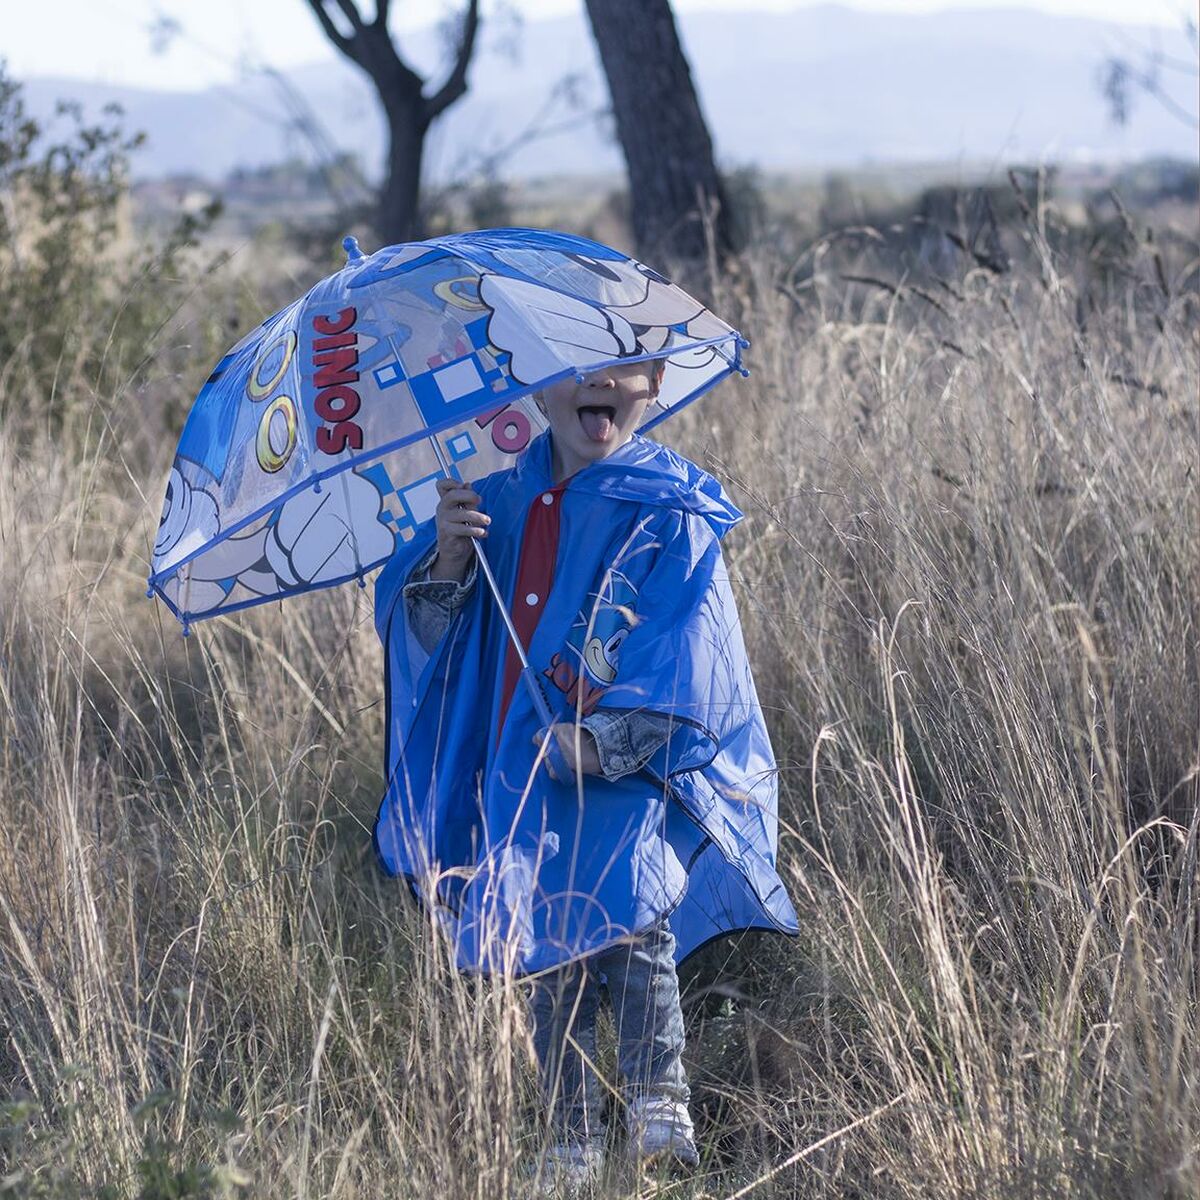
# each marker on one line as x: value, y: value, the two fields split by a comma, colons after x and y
x: 486, y: 568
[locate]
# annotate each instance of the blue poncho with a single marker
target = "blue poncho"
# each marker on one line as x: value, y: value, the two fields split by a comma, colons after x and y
x: 617, y: 583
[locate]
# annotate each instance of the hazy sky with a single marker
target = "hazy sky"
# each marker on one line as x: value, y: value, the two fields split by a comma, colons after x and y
x: 109, y: 39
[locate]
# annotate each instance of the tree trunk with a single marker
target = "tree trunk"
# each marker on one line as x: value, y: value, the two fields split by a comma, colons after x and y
x: 399, y: 215
x: 673, y: 180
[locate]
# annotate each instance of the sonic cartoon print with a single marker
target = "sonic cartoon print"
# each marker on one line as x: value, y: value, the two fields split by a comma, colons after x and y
x: 588, y: 665
x: 308, y: 454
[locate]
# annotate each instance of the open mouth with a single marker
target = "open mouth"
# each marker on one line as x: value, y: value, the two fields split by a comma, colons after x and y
x: 597, y: 421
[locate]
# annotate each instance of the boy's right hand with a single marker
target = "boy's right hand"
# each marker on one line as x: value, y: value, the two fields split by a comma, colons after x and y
x: 458, y: 521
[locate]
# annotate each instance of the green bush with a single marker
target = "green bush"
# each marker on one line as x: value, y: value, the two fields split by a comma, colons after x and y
x: 81, y: 299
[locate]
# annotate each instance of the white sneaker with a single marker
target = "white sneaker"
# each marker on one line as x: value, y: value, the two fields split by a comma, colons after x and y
x: 660, y: 1131
x: 569, y: 1169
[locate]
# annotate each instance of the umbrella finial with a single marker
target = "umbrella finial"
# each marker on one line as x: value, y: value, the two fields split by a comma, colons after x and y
x: 352, y: 249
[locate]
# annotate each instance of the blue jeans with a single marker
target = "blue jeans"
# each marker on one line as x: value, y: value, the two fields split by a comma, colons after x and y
x: 644, y: 990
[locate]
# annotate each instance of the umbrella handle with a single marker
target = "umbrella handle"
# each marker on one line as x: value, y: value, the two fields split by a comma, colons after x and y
x: 554, y: 755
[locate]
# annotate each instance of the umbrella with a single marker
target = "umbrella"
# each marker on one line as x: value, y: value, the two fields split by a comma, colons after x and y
x: 315, y: 445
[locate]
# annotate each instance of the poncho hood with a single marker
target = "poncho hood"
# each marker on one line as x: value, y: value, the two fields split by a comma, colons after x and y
x: 644, y: 472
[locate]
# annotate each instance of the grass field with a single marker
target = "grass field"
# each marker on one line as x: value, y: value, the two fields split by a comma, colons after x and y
x: 970, y: 581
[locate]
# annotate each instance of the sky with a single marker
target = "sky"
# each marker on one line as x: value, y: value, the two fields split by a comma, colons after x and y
x: 109, y: 40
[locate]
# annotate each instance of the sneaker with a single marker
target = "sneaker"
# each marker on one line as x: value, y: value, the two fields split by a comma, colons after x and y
x: 660, y: 1132
x: 569, y: 1169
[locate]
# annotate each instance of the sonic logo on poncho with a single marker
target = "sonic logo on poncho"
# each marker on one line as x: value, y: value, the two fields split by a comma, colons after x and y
x: 587, y: 666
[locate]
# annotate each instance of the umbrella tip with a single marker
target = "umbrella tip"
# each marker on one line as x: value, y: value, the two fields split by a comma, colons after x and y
x: 352, y: 249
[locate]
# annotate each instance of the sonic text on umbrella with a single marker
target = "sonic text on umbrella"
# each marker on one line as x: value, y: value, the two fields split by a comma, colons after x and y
x: 335, y: 365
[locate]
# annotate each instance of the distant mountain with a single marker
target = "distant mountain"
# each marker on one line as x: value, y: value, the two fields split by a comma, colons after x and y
x: 818, y: 87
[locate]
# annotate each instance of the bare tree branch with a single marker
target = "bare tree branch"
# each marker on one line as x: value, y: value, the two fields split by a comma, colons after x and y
x: 331, y: 30
x: 370, y: 45
x: 1120, y: 76
x: 456, y: 83
x: 351, y: 13
x: 1136, y: 48
x: 1141, y: 69
x: 1176, y: 110
x: 474, y: 162
x: 381, y: 13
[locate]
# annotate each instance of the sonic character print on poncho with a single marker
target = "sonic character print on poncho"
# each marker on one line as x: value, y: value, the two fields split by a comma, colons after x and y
x: 588, y: 665
x: 617, y: 583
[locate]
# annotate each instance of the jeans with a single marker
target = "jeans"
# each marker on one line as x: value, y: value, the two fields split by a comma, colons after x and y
x: 644, y: 990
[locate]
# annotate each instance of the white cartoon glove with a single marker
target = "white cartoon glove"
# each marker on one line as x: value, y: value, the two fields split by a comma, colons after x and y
x: 186, y: 509
x: 563, y: 331
x: 660, y: 304
x: 326, y: 535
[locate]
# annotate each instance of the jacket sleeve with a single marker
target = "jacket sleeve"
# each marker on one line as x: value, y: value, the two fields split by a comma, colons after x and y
x: 431, y: 604
x: 625, y: 742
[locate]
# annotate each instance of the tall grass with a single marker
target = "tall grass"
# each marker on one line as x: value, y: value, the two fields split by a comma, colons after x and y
x: 969, y: 581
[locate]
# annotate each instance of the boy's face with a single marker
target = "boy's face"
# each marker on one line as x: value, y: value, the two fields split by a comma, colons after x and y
x: 592, y: 419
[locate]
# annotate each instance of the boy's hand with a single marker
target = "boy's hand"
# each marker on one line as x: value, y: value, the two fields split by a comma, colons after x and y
x: 458, y: 520
x: 588, y: 761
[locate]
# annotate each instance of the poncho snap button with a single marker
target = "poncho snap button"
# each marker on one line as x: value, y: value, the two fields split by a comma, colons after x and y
x: 547, y: 498
x: 531, y: 599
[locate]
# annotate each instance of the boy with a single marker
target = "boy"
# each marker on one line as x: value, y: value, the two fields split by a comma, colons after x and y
x: 607, y: 546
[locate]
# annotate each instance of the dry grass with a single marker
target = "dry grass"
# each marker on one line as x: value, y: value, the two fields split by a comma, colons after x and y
x: 970, y: 584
